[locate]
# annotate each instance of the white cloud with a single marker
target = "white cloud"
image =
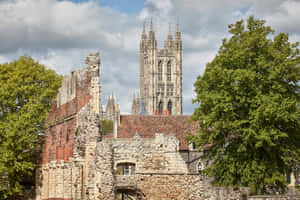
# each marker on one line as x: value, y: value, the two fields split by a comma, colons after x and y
x: 286, y: 18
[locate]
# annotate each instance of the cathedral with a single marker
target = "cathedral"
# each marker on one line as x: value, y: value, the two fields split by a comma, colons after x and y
x: 146, y: 157
x: 160, y: 75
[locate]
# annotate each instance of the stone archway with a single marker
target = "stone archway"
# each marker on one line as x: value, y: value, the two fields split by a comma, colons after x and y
x: 129, y: 194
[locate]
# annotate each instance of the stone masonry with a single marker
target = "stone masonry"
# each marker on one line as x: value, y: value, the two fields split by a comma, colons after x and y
x: 73, y: 129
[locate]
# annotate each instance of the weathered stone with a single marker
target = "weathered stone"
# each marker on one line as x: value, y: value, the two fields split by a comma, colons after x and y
x: 73, y: 129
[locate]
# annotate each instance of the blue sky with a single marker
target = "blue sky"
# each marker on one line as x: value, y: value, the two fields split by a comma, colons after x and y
x: 60, y: 34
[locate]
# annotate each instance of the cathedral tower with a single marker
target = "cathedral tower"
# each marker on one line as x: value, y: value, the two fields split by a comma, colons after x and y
x: 161, y: 74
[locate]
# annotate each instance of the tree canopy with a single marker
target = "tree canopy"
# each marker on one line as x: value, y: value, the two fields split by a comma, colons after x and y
x: 248, y: 109
x: 26, y: 91
x: 107, y: 126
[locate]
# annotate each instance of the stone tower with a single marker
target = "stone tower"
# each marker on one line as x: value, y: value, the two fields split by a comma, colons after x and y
x: 161, y: 74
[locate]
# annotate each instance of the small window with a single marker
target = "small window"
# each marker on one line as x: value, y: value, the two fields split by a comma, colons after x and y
x: 169, y: 71
x: 170, y: 107
x: 159, y: 69
x: 125, y: 169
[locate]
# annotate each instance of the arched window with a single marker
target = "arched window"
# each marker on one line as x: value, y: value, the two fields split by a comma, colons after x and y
x: 169, y: 71
x: 125, y: 169
x: 159, y: 69
x: 170, y: 107
x: 160, y: 107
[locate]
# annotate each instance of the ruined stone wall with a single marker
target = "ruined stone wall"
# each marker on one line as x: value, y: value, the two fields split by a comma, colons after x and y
x: 160, y: 171
x: 153, y: 155
x: 275, y: 197
x: 73, y: 129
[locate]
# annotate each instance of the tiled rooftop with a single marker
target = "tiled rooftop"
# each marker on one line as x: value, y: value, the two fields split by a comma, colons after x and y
x: 147, y: 125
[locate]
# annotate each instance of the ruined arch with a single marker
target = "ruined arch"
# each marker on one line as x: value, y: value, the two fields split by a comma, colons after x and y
x: 129, y: 193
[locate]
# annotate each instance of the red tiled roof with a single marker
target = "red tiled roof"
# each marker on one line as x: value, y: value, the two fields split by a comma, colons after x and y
x: 108, y: 136
x: 148, y: 125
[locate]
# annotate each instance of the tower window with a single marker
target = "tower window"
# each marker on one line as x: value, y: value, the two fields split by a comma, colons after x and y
x: 161, y: 88
x: 160, y: 107
x: 170, y: 107
x: 169, y: 90
x: 159, y: 69
x: 169, y: 71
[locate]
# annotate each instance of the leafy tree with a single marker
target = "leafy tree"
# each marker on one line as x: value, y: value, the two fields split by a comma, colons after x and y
x: 26, y: 91
x: 107, y: 126
x: 249, y: 109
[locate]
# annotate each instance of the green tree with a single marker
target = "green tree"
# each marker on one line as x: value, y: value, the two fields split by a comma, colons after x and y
x: 248, y: 109
x: 107, y: 126
x: 26, y: 91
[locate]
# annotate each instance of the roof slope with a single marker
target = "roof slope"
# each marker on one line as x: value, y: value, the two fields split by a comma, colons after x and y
x: 147, y: 125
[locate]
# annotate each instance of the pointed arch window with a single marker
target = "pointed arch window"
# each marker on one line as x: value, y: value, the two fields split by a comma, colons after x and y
x: 170, y: 107
x: 159, y: 69
x: 169, y: 71
x: 160, y: 107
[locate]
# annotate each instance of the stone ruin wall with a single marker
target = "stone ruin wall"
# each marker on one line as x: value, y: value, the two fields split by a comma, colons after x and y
x: 160, y: 173
x: 274, y: 197
x: 73, y: 129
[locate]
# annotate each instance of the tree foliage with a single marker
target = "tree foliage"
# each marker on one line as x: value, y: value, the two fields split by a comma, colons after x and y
x: 26, y: 91
x: 249, y: 109
x: 107, y: 126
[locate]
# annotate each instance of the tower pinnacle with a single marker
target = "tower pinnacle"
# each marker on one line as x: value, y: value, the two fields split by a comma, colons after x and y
x: 170, y: 33
x: 177, y: 34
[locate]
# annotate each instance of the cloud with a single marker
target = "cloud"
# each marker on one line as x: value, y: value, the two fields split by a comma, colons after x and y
x: 60, y: 34
x: 286, y: 17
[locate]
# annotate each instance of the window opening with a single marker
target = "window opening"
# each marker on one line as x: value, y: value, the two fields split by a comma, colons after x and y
x: 169, y: 71
x: 170, y: 107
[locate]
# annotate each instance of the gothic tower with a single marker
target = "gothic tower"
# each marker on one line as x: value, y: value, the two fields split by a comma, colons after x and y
x: 161, y: 74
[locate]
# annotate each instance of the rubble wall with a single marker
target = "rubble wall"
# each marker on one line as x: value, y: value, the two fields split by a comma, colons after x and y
x: 160, y: 171
x: 72, y: 131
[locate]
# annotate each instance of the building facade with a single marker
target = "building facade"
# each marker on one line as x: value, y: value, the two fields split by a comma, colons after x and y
x: 160, y: 74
